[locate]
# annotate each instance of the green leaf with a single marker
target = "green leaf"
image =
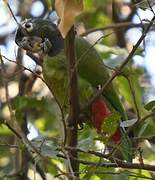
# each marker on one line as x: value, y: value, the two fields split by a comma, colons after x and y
x: 23, y: 103
x: 46, y: 147
x: 28, y: 102
x: 146, y: 128
x: 86, y: 144
x: 128, y: 123
x: 19, y: 115
x: 125, y: 89
x: 124, y: 175
x: 4, y: 131
x: 5, y: 170
x: 149, y: 106
x: 19, y: 103
x: 110, y: 124
x: 143, y: 5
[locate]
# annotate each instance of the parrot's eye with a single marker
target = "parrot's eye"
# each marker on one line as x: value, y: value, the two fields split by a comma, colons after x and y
x: 28, y: 26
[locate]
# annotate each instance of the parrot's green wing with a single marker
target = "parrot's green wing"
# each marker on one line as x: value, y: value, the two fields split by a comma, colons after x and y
x: 92, y: 69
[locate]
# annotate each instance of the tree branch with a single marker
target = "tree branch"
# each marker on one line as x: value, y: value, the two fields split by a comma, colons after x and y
x: 116, y: 73
x: 116, y: 27
x: 72, y: 121
x: 118, y: 163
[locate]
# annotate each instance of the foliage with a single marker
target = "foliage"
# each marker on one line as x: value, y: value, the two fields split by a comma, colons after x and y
x: 38, y: 114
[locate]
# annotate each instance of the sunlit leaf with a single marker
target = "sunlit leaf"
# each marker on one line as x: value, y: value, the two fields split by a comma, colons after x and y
x: 128, y: 123
x: 110, y: 124
x: 126, y: 91
x: 67, y: 11
x: 150, y: 105
x: 6, y: 170
x: 86, y: 144
x: 46, y: 147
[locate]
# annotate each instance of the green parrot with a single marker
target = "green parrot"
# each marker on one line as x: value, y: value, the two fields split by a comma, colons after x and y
x: 43, y: 37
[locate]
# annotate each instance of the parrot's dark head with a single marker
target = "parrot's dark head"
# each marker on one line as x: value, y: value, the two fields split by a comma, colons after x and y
x: 39, y: 35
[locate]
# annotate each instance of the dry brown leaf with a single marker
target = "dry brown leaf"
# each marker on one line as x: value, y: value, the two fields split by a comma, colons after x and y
x: 67, y: 11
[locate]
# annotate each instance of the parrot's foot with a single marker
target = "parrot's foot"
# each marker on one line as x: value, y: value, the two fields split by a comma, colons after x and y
x: 35, y: 44
x: 32, y: 44
x: 81, y: 121
x: 80, y: 125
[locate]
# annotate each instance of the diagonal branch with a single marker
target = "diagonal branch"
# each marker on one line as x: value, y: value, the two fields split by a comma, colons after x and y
x: 116, y: 73
x: 12, y: 123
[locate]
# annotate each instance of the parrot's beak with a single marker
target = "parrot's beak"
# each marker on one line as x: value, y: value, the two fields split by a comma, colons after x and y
x: 32, y: 44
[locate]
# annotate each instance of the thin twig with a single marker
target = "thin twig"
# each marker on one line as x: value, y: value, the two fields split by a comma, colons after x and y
x: 11, y: 12
x: 88, y: 152
x: 118, y: 163
x: 12, y: 124
x: 116, y: 73
x: 84, y: 54
x: 119, y: 173
x: 57, y: 101
x: 6, y: 88
x: 143, y: 27
x: 116, y: 26
x: 132, y: 174
x: 150, y: 6
x: 133, y: 96
x: 144, y: 137
x: 147, y: 116
x: 24, y: 68
x: 9, y: 145
x: 88, y: 50
x: 71, y: 172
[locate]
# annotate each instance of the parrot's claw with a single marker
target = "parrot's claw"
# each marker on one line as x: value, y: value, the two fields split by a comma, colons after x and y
x: 46, y: 45
x: 80, y: 126
x: 81, y: 121
x: 32, y: 44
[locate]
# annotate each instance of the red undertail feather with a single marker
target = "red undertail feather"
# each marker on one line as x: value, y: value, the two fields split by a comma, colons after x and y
x: 100, y: 111
x: 116, y: 136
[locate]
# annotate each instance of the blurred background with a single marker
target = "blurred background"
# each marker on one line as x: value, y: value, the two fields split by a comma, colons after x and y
x: 122, y: 22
